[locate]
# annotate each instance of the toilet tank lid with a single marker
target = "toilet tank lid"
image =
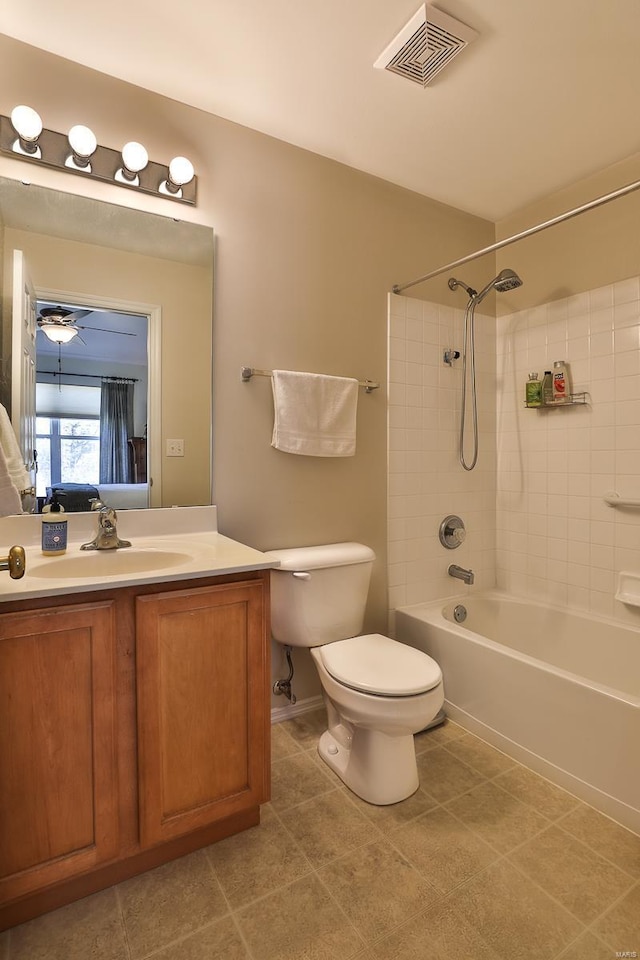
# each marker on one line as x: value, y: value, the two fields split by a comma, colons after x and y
x: 325, y: 555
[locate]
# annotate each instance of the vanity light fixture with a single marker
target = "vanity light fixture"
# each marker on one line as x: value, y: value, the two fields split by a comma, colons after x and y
x: 58, y: 333
x: 134, y: 159
x: 23, y: 136
x: 28, y: 125
x: 83, y: 145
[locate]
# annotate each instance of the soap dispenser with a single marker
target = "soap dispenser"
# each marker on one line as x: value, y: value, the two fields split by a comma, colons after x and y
x: 54, y: 527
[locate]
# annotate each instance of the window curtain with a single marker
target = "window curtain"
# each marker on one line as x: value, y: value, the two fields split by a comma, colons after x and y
x: 116, y: 426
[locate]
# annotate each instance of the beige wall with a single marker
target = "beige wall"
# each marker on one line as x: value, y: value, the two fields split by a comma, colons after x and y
x: 596, y: 248
x: 184, y: 294
x: 307, y: 250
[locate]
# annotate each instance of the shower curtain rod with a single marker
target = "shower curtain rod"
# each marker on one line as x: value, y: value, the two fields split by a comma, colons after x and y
x: 591, y: 205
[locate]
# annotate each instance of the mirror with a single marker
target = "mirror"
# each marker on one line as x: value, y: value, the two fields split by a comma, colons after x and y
x: 146, y: 282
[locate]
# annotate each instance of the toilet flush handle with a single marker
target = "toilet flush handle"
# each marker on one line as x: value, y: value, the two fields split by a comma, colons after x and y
x: 302, y: 576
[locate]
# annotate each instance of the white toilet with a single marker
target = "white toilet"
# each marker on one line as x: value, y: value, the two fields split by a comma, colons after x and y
x: 378, y: 692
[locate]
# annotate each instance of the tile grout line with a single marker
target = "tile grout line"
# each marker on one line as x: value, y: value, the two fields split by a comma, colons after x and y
x: 381, y: 838
x: 157, y: 951
x: 611, y: 906
x: 123, y: 921
x: 592, y: 849
x: 310, y: 873
x: 505, y: 856
x: 234, y: 919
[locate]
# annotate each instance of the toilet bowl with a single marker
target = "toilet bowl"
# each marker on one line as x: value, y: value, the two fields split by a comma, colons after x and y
x: 369, y: 740
x: 377, y: 691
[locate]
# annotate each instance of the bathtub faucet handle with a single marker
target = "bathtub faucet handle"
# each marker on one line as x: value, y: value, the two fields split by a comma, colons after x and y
x: 452, y: 532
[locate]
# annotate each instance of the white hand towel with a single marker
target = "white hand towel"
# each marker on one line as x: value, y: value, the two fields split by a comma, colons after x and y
x: 10, y: 502
x: 13, y: 456
x: 315, y: 415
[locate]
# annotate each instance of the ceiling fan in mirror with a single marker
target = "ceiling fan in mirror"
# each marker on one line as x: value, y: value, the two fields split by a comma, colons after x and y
x: 61, y: 325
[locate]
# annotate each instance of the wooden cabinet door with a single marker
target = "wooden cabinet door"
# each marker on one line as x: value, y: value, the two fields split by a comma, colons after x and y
x: 58, y: 769
x: 201, y: 666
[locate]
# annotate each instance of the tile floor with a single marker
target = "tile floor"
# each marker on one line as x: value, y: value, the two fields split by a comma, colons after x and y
x: 487, y: 861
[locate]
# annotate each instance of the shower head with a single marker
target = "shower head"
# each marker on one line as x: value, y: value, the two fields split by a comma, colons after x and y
x: 506, y: 280
x: 454, y: 284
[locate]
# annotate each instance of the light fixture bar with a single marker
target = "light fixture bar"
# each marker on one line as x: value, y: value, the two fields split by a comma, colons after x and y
x: 105, y: 163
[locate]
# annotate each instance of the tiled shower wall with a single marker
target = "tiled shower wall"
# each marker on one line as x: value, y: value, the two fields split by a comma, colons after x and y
x: 536, y: 521
x: 426, y: 481
x: 557, y: 540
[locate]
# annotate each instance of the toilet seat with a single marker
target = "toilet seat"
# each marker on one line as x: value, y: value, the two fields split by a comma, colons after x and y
x: 375, y: 664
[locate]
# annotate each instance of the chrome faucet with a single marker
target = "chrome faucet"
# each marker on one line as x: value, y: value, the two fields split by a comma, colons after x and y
x: 460, y: 573
x: 107, y: 536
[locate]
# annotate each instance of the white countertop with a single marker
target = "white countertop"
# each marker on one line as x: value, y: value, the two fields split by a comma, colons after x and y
x: 180, y: 543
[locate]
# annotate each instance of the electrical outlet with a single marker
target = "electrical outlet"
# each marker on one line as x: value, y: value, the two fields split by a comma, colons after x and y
x: 175, y: 448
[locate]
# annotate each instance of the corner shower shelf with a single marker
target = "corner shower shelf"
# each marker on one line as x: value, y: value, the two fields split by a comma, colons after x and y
x: 575, y: 399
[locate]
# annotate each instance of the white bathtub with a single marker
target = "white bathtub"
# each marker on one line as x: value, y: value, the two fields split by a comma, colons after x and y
x: 556, y: 690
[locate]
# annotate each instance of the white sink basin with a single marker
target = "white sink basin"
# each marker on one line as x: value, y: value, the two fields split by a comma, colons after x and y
x: 94, y: 564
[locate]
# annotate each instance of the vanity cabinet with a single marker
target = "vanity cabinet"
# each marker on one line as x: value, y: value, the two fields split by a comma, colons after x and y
x: 200, y: 743
x: 134, y: 728
x: 58, y: 767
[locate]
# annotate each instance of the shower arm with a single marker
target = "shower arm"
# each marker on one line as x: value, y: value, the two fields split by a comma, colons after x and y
x: 591, y: 205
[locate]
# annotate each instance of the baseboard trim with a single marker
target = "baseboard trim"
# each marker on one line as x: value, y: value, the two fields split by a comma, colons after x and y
x: 278, y: 714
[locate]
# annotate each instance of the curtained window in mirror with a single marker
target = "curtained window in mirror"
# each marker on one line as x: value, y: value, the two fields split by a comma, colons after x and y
x: 116, y: 426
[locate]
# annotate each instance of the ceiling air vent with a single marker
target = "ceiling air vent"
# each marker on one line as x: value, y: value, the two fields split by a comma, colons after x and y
x: 425, y: 45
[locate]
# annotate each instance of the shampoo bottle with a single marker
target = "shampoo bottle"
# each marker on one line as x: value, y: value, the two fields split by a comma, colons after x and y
x: 533, y: 391
x: 561, y: 388
x: 547, y: 388
x: 54, y: 529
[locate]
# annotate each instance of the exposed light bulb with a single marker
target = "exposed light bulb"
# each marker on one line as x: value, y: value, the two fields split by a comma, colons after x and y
x: 28, y: 125
x: 134, y: 159
x: 134, y: 156
x: 181, y: 172
x: 83, y: 144
x: 58, y: 333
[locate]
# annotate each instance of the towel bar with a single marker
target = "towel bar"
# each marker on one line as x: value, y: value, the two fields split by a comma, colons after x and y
x: 248, y: 372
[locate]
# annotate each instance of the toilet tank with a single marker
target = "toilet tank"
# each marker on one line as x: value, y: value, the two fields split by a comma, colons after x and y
x: 319, y: 594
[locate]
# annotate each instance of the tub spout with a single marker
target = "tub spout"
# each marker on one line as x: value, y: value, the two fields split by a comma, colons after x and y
x: 460, y: 573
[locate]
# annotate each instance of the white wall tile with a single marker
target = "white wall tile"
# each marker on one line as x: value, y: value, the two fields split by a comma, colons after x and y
x: 433, y: 483
x: 582, y: 451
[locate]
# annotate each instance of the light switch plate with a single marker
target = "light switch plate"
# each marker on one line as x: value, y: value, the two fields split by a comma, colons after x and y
x: 175, y: 448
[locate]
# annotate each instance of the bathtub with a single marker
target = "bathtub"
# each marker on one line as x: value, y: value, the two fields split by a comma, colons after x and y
x: 556, y: 690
